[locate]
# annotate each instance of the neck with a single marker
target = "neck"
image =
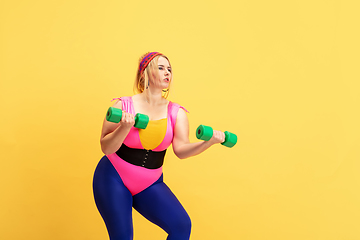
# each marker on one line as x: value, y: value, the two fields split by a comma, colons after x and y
x: 153, y: 97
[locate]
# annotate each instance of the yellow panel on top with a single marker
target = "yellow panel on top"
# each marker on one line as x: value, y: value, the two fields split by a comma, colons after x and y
x: 153, y: 135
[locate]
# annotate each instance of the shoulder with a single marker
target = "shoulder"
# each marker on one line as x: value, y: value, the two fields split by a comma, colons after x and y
x: 177, y: 112
x: 182, y: 114
x: 177, y: 107
x: 180, y: 117
x: 117, y: 104
x: 118, y: 101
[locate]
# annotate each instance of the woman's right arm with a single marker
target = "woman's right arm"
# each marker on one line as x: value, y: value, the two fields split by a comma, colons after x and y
x: 113, y: 134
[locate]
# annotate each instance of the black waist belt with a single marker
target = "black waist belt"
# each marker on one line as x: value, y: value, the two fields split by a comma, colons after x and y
x: 141, y: 157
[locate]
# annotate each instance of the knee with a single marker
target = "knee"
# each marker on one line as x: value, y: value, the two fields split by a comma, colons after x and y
x: 185, y: 224
x: 181, y: 229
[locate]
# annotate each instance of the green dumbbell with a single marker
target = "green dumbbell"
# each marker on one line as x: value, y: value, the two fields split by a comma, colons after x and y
x: 205, y: 133
x: 114, y: 115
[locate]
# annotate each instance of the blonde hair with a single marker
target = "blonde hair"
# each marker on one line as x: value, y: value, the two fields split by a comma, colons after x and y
x: 142, y: 78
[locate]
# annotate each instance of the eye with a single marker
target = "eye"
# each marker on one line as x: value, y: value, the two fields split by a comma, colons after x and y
x: 161, y: 68
x: 169, y: 69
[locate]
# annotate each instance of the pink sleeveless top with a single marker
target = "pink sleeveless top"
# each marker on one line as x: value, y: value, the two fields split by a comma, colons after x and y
x: 137, y: 178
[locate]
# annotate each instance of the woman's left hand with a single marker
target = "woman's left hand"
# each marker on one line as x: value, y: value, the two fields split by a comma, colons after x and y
x: 217, y: 137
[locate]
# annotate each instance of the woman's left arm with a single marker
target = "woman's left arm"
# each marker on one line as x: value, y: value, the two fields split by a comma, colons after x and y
x: 181, y: 143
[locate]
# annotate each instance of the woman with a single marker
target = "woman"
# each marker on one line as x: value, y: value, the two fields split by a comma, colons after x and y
x: 130, y: 173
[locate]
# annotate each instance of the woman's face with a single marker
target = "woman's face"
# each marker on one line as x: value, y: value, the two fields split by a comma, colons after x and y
x: 164, y: 72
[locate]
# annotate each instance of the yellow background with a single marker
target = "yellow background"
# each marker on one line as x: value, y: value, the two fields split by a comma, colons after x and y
x: 282, y: 75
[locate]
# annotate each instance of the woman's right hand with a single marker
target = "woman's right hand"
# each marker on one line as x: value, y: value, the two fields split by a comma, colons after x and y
x: 127, y: 120
x: 113, y: 134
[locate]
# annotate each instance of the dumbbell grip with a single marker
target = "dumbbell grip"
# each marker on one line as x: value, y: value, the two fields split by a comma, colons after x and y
x: 115, y: 114
x: 205, y: 133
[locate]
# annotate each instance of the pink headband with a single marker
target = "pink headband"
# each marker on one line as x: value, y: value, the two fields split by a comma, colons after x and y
x: 147, y: 59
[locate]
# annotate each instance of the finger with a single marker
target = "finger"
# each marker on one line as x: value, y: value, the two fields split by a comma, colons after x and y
x: 123, y: 115
x: 215, y: 135
x: 222, y: 137
x: 131, y: 118
x: 219, y: 135
x: 128, y: 117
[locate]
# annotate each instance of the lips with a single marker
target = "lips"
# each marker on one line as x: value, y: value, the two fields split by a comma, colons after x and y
x: 166, y: 80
